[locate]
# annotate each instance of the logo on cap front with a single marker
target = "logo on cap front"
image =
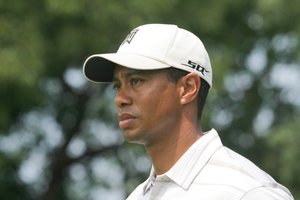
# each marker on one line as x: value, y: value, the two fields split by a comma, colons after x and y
x: 130, y: 36
x: 197, y: 67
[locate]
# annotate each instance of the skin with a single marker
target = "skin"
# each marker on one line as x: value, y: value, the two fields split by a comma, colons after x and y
x: 158, y: 113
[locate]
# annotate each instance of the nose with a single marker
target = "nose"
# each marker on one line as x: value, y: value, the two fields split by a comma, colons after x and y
x: 122, y: 98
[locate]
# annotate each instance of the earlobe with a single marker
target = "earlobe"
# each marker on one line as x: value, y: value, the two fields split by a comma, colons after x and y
x: 190, y: 85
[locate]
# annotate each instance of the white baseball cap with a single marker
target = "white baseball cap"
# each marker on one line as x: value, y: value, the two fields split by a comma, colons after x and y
x: 150, y: 47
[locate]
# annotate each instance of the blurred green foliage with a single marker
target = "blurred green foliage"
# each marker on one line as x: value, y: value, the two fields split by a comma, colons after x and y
x: 58, y: 136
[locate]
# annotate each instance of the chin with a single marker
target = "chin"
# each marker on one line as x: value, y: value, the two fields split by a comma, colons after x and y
x: 132, y: 137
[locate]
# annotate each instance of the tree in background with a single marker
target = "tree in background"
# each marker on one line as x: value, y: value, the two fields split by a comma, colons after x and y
x: 58, y: 136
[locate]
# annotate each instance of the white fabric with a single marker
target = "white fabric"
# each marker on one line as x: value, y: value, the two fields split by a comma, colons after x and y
x: 154, y: 46
x: 211, y: 171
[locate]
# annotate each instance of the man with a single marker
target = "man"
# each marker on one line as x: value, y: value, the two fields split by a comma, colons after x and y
x: 162, y: 74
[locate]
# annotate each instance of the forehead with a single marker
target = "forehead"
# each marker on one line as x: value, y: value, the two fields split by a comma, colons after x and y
x: 121, y: 71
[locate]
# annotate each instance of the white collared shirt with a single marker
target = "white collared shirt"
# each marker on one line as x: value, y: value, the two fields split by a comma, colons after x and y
x: 211, y: 171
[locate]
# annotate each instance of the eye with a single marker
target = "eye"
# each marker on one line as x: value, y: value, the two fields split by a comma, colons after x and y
x: 116, y: 86
x: 135, y: 81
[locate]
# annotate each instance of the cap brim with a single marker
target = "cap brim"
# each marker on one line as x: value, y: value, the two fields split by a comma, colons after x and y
x: 100, y: 67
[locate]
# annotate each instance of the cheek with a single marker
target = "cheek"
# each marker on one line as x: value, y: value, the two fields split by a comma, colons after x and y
x: 159, y: 104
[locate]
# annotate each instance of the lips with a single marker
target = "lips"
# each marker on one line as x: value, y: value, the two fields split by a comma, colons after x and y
x: 125, y: 120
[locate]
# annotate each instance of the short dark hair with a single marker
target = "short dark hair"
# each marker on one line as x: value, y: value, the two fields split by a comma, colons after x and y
x: 175, y: 74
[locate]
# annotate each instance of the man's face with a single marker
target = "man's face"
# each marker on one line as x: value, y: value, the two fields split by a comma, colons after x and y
x: 147, y: 103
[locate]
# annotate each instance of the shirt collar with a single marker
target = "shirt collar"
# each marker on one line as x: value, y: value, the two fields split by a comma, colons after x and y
x: 194, y: 159
x: 150, y: 181
x: 191, y: 162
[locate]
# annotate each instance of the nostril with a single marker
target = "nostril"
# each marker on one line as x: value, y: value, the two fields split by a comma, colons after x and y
x: 123, y: 104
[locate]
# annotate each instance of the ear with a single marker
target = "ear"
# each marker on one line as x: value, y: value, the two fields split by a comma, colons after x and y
x: 189, y: 87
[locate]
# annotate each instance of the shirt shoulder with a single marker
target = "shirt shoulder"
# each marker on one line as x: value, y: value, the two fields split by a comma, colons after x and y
x: 267, y: 193
x: 230, y: 171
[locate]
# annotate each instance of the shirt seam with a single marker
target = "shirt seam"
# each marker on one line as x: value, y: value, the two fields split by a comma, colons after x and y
x: 255, y: 188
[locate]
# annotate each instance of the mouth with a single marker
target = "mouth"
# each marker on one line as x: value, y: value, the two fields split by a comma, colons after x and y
x: 125, y: 120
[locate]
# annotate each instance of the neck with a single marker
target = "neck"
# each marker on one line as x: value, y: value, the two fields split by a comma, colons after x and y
x: 165, y: 153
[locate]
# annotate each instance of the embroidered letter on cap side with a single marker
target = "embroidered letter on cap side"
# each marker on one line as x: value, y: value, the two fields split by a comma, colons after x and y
x: 197, y: 67
x: 130, y: 36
